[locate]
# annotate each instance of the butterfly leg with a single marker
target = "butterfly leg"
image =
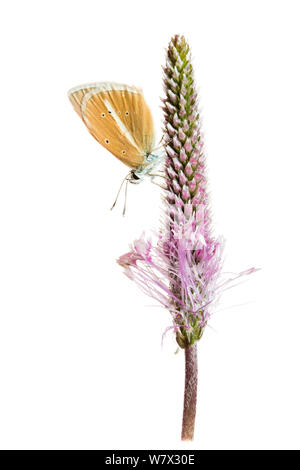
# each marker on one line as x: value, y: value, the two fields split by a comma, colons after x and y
x: 156, y: 175
x: 157, y: 184
x: 153, y: 175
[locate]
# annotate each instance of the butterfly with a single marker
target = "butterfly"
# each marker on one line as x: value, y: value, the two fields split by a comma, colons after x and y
x: 118, y: 117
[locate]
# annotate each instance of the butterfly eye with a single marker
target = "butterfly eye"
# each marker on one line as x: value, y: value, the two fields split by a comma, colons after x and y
x: 106, y: 141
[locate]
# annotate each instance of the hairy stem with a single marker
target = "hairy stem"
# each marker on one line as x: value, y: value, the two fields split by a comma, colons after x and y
x: 190, y: 393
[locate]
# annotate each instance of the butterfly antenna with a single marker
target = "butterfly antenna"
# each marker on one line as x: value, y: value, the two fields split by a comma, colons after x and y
x: 125, y: 202
x: 118, y: 194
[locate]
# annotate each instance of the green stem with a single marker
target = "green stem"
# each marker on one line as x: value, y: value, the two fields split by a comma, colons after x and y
x: 190, y: 393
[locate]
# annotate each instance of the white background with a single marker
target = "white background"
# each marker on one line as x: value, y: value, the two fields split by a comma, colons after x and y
x: 81, y: 364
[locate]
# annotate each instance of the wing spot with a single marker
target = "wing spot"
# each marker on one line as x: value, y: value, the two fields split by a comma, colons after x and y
x: 102, y: 114
x: 127, y: 113
x: 109, y: 112
x: 119, y: 112
x: 106, y: 141
x: 123, y: 152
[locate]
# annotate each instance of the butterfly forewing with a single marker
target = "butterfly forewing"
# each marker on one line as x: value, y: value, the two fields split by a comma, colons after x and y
x: 77, y: 94
x: 119, y: 119
x: 134, y: 114
x: 105, y: 125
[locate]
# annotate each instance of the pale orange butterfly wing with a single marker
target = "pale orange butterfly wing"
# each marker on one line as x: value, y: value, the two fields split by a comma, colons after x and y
x: 119, y: 119
x: 77, y: 94
x: 134, y: 114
